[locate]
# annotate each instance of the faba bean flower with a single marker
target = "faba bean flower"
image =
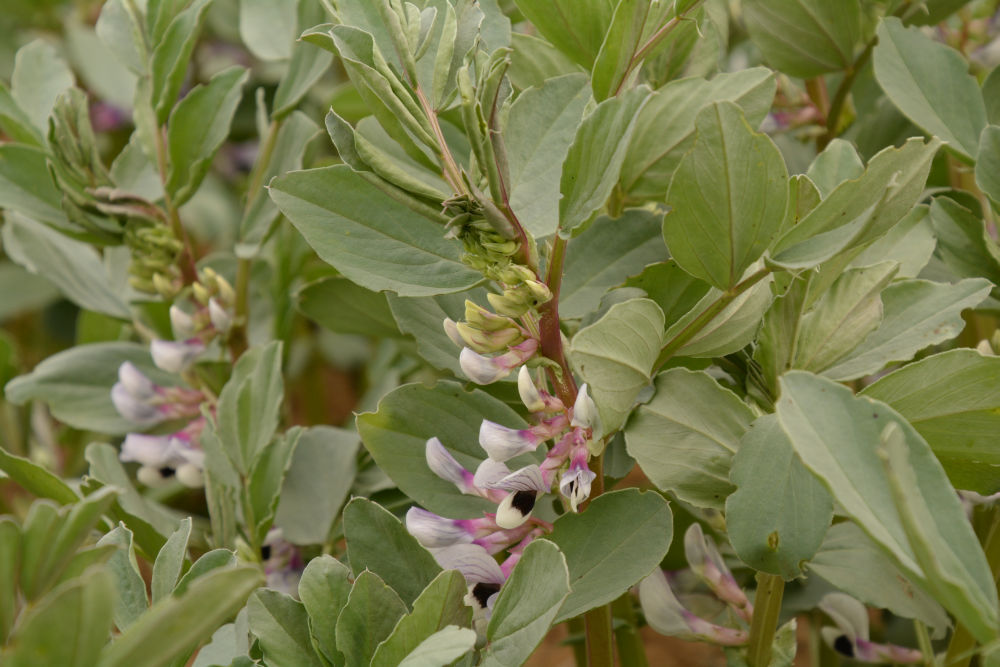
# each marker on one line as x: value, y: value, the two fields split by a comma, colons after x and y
x: 851, y: 638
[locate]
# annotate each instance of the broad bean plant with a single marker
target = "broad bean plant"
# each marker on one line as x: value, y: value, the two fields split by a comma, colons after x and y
x: 402, y: 332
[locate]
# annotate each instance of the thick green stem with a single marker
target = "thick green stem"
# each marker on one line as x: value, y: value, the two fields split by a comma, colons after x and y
x: 631, y: 650
x: 600, y: 641
x: 924, y: 642
x: 962, y: 646
x: 766, y: 609
x: 709, y: 314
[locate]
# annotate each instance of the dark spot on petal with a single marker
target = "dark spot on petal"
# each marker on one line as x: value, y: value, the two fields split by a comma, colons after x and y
x: 844, y: 646
x: 875, y: 415
x: 482, y: 592
x: 166, y: 472
x: 265, y: 552
x: 524, y: 502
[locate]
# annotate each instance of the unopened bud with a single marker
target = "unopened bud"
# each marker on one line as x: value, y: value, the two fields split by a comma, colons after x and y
x: 480, y: 318
x: 511, y: 303
x: 540, y: 291
x: 529, y: 393
x: 164, y: 286
x: 516, y: 274
x: 485, y: 342
x: 201, y: 293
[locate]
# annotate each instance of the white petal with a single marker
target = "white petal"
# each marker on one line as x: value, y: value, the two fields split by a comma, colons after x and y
x: 435, y: 531
x: 181, y: 323
x: 152, y: 477
x: 443, y: 464
x: 528, y: 478
x: 489, y: 473
x: 584, y: 410
x: 529, y: 393
x: 502, y: 443
x: 175, y: 357
x: 849, y: 614
x: 510, y: 516
x: 149, y: 450
x: 575, y: 485
x: 451, y: 330
x: 131, y: 408
x: 661, y: 607
x: 135, y: 381
x: 480, y: 369
x: 221, y: 319
x: 472, y: 561
x: 190, y: 476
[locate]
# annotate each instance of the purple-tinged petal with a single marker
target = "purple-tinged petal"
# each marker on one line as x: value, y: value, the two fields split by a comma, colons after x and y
x: 502, y: 443
x: 472, y: 561
x: 435, y: 531
x: 575, y: 484
x: 444, y: 465
x: 706, y: 562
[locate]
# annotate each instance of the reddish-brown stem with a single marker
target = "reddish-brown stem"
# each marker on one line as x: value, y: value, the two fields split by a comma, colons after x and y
x: 551, y: 343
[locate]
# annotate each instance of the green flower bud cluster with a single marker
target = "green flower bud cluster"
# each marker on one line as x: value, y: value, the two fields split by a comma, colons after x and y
x: 212, y: 285
x: 154, y: 249
x: 486, y: 332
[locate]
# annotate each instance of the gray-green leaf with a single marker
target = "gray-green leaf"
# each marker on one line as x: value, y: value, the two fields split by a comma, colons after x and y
x: 685, y: 437
x: 729, y: 196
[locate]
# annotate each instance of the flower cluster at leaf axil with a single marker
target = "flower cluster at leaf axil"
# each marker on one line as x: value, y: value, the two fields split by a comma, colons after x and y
x: 469, y: 545
x: 140, y: 400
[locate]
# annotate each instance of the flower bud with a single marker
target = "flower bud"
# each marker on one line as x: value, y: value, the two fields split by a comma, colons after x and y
x: 181, y: 323
x: 451, y: 330
x: 511, y: 303
x: 444, y: 465
x: 480, y: 369
x: 480, y: 318
x: 435, y: 532
x: 585, y: 414
x: 175, y: 357
x: 220, y: 317
x: 540, y: 291
x: 528, y: 392
x: 486, y: 342
x: 201, y: 293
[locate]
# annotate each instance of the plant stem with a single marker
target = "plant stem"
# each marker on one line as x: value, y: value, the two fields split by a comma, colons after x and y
x: 631, y: 650
x: 255, y: 190
x: 766, y: 608
x: 189, y: 271
x: 840, y: 96
x: 577, y: 634
x: 551, y: 335
x: 654, y: 41
x: 962, y: 645
x: 924, y: 642
x: 706, y: 316
x: 600, y: 642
